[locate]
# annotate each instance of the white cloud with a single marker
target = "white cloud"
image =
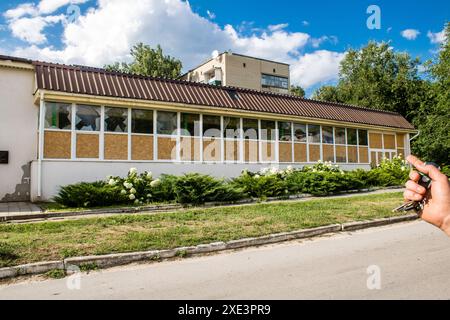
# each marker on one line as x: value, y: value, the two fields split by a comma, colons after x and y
x: 277, y: 27
x: 211, y: 14
x: 436, y: 38
x: 50, y: 6
x: 316, y: 42
x: 31, y: 29
x: 21, y: 10
x: 104, y: 34
x: 305, y: 23
x: 317, y: 67
x: 410, y: 34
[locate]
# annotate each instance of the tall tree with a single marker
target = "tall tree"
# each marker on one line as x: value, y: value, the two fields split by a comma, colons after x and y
x: 433, y: 116
x: 377, y: 77
x: 149, y: 62
x: 297, y: 91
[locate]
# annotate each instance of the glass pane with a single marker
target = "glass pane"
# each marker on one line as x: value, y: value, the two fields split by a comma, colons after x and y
x: 327, y: 135
x: 142, y: 121
x: 251, y: 129
x: 88, y: 118
x: 167, y: 123
x: 363, y: 140
x: 313, y: 133
x: 231, y: 127
x: 211, y: 126
x: 116, y: 120
x: 352, y: 137
x: 274, y: 81
x: 268, y: 130
x: 340, y: 135
x: 58, y: 116
x: 284, y: 131
x: 190, y: 124
x: 300, y: 132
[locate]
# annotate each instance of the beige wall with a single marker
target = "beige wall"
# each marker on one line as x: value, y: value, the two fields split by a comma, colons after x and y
x: 18, y: 132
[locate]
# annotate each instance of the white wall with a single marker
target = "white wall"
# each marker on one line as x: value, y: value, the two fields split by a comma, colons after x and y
x: 18, y: 131
x: 60, y: 173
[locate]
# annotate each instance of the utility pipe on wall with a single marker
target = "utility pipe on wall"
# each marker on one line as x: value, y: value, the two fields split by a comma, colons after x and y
x: 41, y: 143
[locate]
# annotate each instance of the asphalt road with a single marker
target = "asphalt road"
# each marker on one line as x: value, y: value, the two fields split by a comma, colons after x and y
x: 405, y: 261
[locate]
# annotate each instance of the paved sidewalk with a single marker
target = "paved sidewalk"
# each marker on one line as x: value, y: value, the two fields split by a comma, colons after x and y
x: 10, y: 209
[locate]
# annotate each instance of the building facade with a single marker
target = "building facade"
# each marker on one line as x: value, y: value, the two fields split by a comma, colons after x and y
x: 235, y: 70
x: 70, y: 124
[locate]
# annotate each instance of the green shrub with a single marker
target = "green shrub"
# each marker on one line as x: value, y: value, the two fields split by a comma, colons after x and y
x: 165, y: 191
x: 196, y: 188
x: 84, y: 195
x: 446, y: 170
x: 7, y: 254
x: 263, y: 184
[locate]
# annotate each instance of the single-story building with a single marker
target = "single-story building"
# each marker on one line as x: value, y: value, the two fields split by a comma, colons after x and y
x: 62, y: 124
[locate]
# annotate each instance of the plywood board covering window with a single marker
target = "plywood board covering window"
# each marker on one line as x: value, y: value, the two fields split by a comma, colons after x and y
x: 314, y: 153
x: 352, y: 154
x: 87, y: 146
x: 341, y: 154
x: 389, y: 141
x: 141, y: 147
x: 211, y: 150
x: 300, y: 153
x: 363, y: 155
x: 285, y: 150
x: 116, y: 147
x: 190, y: 149
x: 400, y: 141
x: 57, y: 145
x: 167, y: 149
x: 328, y: 152
x: 268, y: 152
x: 251, y: 151
x: 231, y: 150
x: 376, y: 141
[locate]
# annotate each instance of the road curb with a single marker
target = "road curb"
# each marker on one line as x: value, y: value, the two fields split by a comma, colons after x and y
x: 120, y: 259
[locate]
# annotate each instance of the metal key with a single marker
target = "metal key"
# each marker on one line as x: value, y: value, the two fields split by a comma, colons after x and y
x: 425, y: 181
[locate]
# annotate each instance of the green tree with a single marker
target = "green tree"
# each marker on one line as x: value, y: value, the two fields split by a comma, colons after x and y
x: 149, y: 62
x: 297, y: 91
x: 433, y: 116
x: 377, y: 77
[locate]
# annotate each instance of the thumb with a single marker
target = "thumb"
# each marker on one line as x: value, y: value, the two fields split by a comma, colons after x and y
x: 429, y: 170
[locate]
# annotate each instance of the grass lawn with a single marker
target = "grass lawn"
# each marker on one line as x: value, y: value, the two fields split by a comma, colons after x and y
x: 45, y: 241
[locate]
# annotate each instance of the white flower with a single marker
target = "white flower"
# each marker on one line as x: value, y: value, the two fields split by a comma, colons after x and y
x: 257, y: 176
x: 109, y: 177
x: 133, y: 191
x: 123, y: 192
x: 265, y: 171
x: 112, y: 182
x: 342, y: 172
x: 133, y: 171
x: 403, y: 168
x: 155, y: 183
x: 290, y: 168
x: 314, y: 170
x: 132, y: 197
x: 128, y: 185
x: 137, y: 202
x: 274, y: 170
x: 149, y: 195
x: 320, y: 161
x: 149, y: 175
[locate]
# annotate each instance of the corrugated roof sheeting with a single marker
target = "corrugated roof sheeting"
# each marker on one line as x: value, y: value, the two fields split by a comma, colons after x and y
x: 98, y: 82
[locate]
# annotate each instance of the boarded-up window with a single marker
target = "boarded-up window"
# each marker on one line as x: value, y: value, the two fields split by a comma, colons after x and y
x: 401, y: 153
x: 314, y: 153
x: 116, y: 147
x: 400, y: 141
x: 141, y: 147
x: 389, y: 141
x: 87, y: 118
x: 268, y: 152
x: 87, y: 146
x: 251, y: 151
x: 167, y: 149
x: 341, y: 154
x: 376, y: 141
x: 211, y: 149
x: 328, y: 153
x: 231, y: 150
x: 300, y: 153
x: 57, y: 145
x: 352, y: 154
x: 189, y: 149
x: 363, y: 155
x: 285, y: 151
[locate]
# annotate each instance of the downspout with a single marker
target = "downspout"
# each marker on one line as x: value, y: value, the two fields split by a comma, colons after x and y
x: 41, y: 143
x: 409, y: 144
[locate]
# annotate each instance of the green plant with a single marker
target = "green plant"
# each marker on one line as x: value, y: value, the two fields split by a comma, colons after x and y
x: 181, y: 254
x: 7, y: 254
x: 165, y: 192
x: 56, y: 274
x: 86, y: 267
x: 263, y: 184
x: 196, y: 188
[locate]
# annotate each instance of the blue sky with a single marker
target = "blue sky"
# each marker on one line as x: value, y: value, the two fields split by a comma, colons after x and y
x: 310, y: 35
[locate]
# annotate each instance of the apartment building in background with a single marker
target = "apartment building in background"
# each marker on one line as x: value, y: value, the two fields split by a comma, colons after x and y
x: 236, y: 70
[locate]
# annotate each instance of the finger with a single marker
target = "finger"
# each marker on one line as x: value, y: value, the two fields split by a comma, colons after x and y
x: 414, y: 176
x: 412, y: 196
x: 429, y: 170
x: 411, y: 185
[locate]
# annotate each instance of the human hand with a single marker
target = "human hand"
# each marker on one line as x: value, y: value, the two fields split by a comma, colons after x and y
x: 437, y: 205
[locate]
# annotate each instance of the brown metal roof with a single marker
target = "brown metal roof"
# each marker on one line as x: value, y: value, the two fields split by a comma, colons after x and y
x: 99, y: 82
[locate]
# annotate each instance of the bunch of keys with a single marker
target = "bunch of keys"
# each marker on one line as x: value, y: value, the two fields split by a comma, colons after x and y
x: 425, y: 181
